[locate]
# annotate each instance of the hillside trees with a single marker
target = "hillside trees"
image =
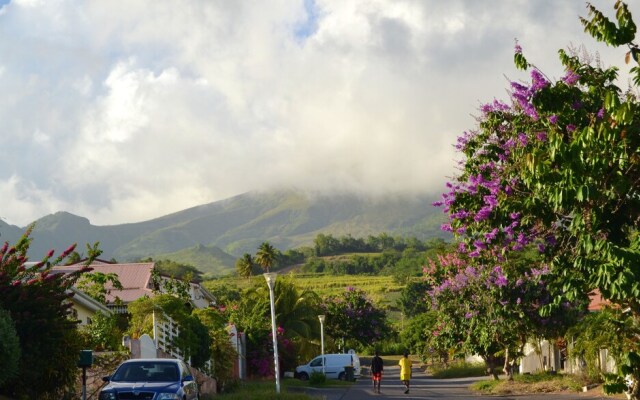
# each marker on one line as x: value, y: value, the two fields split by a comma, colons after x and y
x: 354, y: 320
x: 559, y: 169
x: 38, y: 301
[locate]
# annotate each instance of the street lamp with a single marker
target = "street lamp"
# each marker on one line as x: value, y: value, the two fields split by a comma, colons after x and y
x: 321, y: 318
x: 271, y: 282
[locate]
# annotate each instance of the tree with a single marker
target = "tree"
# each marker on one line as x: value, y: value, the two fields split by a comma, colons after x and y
x: 94, y: 284
x: 352, y: 317
x: 266, y: 256
x: 9, y: 348
x: 412, y: 298
x: 178, y: 270
x: 244, y: 265
x: 558, y: 168
x: 103, y: 332
x: 38, y: 301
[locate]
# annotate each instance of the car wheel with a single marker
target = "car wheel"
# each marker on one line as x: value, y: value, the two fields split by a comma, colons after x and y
x: 341, y: 376
x: 304, y: 376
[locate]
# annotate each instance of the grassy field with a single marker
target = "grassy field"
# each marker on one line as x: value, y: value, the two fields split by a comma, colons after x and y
x: 383, y: 290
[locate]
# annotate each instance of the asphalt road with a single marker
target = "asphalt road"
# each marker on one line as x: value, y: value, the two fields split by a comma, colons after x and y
x: 425, y: 387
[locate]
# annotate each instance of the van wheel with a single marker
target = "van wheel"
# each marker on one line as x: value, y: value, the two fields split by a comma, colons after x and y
x: 304, y: 376
x: 341, y: 376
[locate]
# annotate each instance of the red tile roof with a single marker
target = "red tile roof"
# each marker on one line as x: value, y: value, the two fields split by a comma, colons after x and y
x: 596, y: 301
x: 135, y: 279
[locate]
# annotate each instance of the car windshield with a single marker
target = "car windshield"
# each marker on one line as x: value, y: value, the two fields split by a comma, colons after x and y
x: 146, y: 371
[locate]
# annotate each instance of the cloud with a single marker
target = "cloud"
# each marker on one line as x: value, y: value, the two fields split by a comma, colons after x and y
x: 124, y: 111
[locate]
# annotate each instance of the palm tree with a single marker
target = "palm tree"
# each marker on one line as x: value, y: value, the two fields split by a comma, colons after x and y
x: 297, y: 313
x: 244, y: 265
x: 266, y: 256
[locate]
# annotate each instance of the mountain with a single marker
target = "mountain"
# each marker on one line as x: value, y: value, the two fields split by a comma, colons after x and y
x: 210, y: 260
x: 286, y: 219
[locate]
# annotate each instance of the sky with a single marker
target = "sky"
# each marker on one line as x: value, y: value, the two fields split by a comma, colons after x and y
x: 127, y: 110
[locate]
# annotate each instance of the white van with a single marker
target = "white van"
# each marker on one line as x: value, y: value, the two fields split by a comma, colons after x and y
x: 334, y: 366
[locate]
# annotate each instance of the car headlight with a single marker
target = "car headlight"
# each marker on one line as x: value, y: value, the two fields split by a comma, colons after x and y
x: 168, y: 396
x: 107, y: 396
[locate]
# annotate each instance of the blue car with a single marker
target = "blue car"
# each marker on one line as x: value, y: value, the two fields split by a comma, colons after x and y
x: 150, y: 379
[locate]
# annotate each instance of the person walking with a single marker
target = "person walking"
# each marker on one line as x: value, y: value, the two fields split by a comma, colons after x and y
x: 405, y: 371
x: 376, y: 371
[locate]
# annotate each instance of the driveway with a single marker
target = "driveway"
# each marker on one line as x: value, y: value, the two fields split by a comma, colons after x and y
x: 425, y: 387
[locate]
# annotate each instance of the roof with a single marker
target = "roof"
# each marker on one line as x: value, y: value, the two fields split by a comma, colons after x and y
x: 88, y: 301
x: 596, y: 301
x: 135, y: 279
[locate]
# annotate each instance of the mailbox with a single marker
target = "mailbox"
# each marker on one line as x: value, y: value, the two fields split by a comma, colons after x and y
x: 86, y: 358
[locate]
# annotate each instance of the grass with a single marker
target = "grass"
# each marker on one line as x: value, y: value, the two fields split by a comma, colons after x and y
x: 291, y: 389
x: 532, y: 383
x: 383, y: 290
x: 458, y: 370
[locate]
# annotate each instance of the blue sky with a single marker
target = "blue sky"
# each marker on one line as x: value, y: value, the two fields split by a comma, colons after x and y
x: 123, y: 111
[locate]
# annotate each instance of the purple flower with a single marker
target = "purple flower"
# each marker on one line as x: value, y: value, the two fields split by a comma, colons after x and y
x: 541, y: 136
x: 571, y: 128
x: 600, y: 113
x: 576, y: 105
x: 518, y: 300
x: 571, y: 78
x: 522, y: 138
x: 553, y: 119
x: 538, y: 81
x: 517, y: 48
x: 501, y: 281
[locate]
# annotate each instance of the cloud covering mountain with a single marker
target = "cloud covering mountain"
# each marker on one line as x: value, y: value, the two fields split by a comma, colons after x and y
x: 123, y: 111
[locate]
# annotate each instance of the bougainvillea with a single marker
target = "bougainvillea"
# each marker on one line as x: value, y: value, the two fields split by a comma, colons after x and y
x: 37, y: 300
x: 557, y: 168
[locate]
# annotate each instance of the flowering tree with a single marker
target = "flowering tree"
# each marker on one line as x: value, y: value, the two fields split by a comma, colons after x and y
x: 353, y: 317
x: 558, y: 167
x: 37, y: 300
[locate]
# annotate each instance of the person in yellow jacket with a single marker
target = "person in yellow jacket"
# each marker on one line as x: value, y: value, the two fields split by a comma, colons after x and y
x: 405, y: 371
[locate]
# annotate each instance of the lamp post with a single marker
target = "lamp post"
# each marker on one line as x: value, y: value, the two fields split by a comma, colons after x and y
x: 321, y: 318
x: 271, y: 282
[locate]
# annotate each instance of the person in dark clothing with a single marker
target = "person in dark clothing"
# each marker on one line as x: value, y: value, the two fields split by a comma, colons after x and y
x: 376, y: 372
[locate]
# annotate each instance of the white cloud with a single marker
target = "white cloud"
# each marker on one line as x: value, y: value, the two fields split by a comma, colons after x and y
x: 123, y: 111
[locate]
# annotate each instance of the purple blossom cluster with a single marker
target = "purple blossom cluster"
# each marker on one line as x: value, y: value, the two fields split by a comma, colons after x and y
x: 570, y: 78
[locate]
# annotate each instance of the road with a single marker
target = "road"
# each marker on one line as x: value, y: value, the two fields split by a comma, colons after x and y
x: 425, y: 387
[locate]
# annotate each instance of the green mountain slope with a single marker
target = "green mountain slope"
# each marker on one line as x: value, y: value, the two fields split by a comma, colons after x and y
x: 287, y: 219
x: 211, y: 260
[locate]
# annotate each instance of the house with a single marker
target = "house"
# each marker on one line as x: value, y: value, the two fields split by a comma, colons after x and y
x: 84, y: 307
x: 546, y: 356
x: 137, y: 281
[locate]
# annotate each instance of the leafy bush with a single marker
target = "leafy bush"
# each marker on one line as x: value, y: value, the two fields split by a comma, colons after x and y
x: 9, y: 347
x: 317, y: 378
x: 459, y: 370
x: 37, y: 299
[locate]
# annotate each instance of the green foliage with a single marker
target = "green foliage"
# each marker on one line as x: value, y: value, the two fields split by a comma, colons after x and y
x: 192, y: 341
x: 178, y: 270
x: 95, y: 285
x: 557, y: 168
x: 317, y: 378
x: 412, y: 300
x: 39, y: 305
x: 244, y: 265
x: 9, y: 348
x: 353, y: 318
x: 416, y: 334
x: 103, y: 333
x: 266, y: 256
x: 459, y: 370
x: 223, y: 354
x: 597, y: 331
